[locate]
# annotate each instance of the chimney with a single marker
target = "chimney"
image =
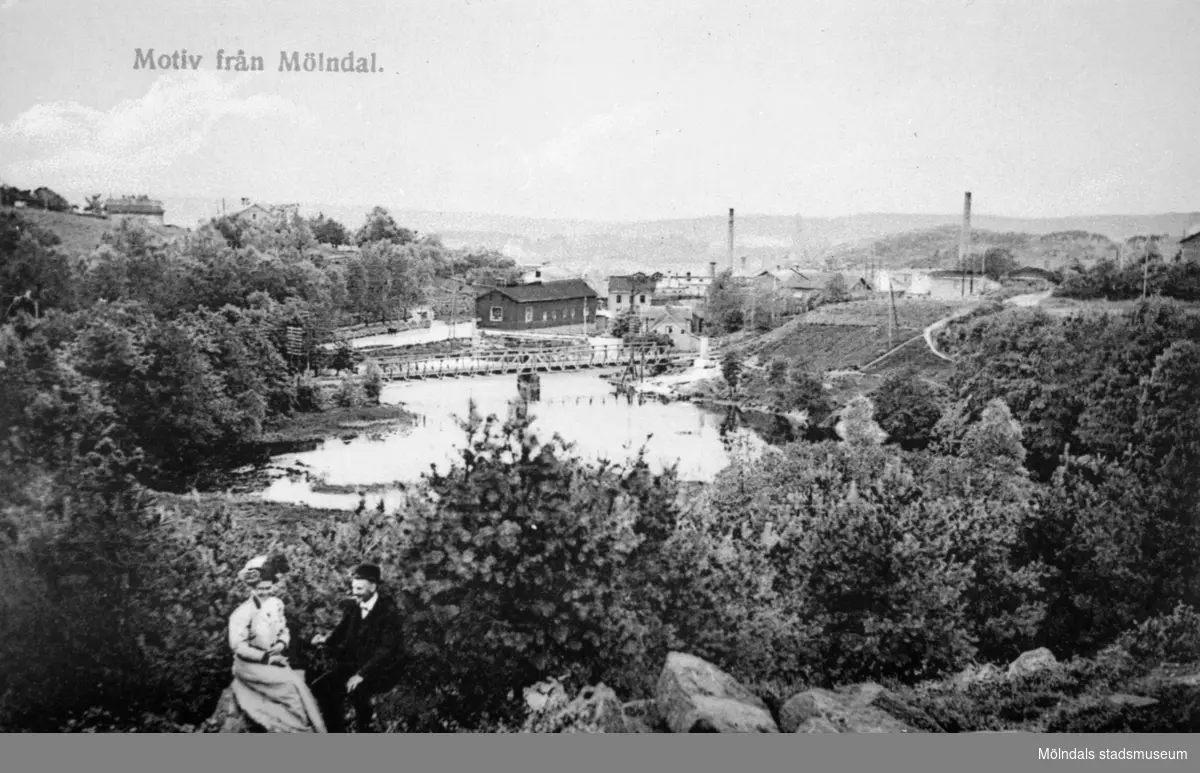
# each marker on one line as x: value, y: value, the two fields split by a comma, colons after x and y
x: 712, y: 269
x: 743, y: 264
x: 731, y: 238
x: 965, y: 237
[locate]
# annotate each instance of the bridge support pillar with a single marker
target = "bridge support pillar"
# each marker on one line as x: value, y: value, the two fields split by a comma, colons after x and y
x: 529, y: 386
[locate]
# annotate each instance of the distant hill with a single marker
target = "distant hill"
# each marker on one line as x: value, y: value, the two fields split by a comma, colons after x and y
x: 938, y: 248
x: 603, y: 247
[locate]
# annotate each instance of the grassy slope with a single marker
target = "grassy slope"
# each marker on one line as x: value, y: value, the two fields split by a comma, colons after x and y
x: 938, y: 248
x: 80, y: 235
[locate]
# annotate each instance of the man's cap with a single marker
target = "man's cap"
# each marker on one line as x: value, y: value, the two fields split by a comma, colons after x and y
x: 369, y: 572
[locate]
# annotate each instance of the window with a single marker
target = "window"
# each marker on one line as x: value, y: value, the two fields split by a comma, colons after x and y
x: 545, y: 316
x: 529, y: 314
x: 497, y: 314
x: 642, y: 299
x: 618, y: 299
x: 572, y: 313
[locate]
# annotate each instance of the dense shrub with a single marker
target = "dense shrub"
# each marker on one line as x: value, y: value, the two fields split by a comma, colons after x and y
x: 831, y: 562
x: 533, y: 563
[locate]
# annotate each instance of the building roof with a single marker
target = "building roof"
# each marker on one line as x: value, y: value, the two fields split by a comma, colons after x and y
x: 631, y: 284
x: 563, y: 290
x: 259, y: 207
x: 129, y: 205
x: 1190, y: 238
x: 1041, y: 273
x: 672, y: 315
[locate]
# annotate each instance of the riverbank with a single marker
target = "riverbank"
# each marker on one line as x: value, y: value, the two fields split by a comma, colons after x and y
x: 301, y: 429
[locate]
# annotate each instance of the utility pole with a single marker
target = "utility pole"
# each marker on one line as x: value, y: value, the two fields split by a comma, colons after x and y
x: 893, y: 320
x: 1145, y: 266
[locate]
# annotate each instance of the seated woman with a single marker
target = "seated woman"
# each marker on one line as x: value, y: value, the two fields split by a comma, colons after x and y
x: 266, y: 688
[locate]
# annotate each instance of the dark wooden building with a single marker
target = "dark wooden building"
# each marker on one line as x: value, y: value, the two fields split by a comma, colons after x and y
x: 536, y: 305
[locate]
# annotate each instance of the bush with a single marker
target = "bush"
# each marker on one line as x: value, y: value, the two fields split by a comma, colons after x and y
x: 1174, y: 637
x: 372, y: 383
x: 831, y: 563
x: 349, y: 394
x: 533, y: 563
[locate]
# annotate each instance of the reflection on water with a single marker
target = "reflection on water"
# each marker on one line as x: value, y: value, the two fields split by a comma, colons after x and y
x: 578, y: 406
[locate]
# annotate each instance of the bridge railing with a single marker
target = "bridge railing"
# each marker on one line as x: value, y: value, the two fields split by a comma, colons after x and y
x: 485, y: 360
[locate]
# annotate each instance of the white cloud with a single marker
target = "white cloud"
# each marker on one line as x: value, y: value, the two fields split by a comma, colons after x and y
x: 74, y: 146
x: 7, y: 4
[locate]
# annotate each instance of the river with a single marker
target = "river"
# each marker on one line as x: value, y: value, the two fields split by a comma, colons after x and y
x: 579, y: 406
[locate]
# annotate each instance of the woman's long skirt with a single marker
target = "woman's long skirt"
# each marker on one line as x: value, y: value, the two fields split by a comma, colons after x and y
x: 276, y: 697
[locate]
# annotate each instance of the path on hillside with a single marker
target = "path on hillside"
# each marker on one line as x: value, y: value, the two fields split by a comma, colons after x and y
x: 1024, y: 301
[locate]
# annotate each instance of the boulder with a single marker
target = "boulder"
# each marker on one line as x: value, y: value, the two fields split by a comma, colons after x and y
x: 643, y: 717
x: 694, y: 696
x: 1031, y: 662
x: 817, y: 725
x: 863, y: 708
x: 228, y: 717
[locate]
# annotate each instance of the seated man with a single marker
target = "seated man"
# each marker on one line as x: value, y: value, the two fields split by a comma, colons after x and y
x: 366, y: 647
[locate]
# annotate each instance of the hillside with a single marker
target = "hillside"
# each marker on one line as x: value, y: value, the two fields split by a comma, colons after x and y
x: 690, y: 243
x: 938, y: 248
x: 80, y: 234
x: 847, y: 336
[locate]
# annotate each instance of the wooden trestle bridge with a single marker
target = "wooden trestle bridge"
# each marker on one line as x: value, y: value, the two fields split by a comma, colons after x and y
x: 485, y: 361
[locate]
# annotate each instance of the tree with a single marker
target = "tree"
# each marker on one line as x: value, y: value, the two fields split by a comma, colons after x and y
x: 380, y: 226
x: 857, y: 424
x: 836, y: 289
x: 95, y: 204
x: 731, y: 370
x: 624, y: 323
x: 724, y: 304
x: 907, y: 410
x: 997, y: 262
x: 326, y: 230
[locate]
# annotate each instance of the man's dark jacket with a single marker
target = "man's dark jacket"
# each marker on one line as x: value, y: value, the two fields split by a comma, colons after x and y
x: 372, y: 646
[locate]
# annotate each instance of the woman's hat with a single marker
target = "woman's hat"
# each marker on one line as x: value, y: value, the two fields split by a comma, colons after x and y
x: 368, y: 572
x: 264, y: 568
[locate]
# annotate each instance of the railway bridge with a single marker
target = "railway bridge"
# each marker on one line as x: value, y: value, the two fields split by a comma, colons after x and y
x: 487, y: 361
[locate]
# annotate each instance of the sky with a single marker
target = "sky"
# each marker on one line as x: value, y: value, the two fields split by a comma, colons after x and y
x: 617, y: 110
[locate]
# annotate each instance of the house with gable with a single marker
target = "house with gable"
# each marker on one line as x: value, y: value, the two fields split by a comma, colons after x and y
x: 536, y: 305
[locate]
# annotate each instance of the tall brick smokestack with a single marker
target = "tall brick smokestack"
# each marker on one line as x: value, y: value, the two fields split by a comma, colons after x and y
x: 731, y: 238
x: 964, y: 238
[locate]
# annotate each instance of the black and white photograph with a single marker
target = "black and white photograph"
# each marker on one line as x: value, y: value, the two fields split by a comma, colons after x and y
x: 532, y: 367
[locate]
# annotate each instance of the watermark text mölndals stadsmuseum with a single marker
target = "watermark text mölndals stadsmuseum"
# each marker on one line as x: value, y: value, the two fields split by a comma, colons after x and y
x: 289, y: 61
x: 1048, y: 753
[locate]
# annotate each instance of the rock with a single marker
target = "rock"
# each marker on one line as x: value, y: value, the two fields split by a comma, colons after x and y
x: 817, y: 725
x: 545, y: 696
x: 1137, y: 701
x: 1031, y: 662
x: 594, y: 710
x: 228, y: 717
x: 643, y: 717
x: 864, y: 708
x: 694, y: 696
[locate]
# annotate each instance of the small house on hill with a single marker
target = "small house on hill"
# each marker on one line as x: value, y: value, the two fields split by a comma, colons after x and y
x: 951, y: 283
x: 536, y: 305
x: 675, y: 322
x: 631, y: 292
x: 141, y: 208
x: 1189, y: 248
x: 257, y: 214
